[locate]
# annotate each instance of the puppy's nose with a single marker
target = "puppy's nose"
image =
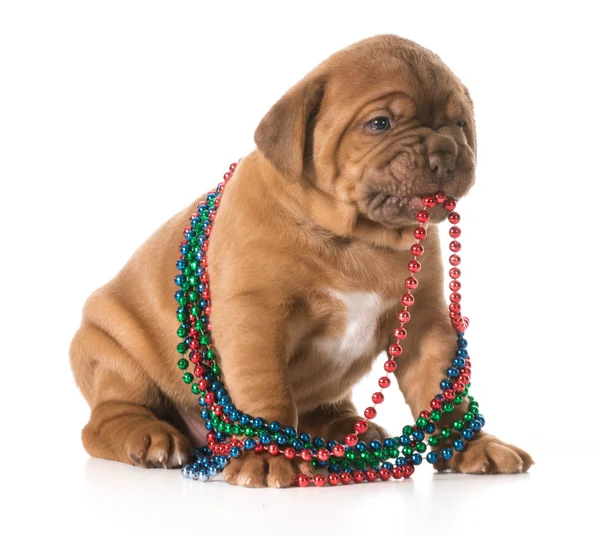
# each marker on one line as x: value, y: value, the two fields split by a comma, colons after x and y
x: 442, y: 164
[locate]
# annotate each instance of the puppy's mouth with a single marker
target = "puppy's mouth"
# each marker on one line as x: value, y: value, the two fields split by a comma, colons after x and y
x: 396, y: 210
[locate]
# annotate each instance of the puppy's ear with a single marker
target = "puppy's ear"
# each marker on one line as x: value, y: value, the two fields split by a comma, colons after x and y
x: 282, y: 134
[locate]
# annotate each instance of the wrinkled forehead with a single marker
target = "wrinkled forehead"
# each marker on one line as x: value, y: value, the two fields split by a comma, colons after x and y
x: 417, y: 82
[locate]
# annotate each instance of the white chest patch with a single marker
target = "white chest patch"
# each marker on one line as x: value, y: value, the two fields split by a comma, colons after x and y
x: 362, y: 311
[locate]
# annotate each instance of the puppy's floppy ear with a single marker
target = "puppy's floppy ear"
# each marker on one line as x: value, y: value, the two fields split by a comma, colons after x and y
x: 282, y: 133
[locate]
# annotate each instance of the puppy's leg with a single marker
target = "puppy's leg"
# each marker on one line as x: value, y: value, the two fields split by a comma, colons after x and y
x: 420, y: 370
x: 336, y: 421
x: 128, y: 410
x: 252, y: 352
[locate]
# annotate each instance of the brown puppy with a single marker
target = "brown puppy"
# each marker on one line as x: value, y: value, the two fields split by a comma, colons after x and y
x: 307, y: 262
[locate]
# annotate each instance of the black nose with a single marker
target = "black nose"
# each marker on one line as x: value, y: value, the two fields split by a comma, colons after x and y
x: 442, y: 164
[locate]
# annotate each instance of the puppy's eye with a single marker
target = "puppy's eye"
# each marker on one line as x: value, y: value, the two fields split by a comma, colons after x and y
x: 461, y: 124
x: 379, y: 124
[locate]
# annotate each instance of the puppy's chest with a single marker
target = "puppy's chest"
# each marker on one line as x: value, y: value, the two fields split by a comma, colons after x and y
x: 355, y: 327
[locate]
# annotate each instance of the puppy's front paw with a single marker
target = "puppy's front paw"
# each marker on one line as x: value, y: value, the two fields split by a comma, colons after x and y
x: 155, y: 443
x: 262, y: 470
x: 487, y: 455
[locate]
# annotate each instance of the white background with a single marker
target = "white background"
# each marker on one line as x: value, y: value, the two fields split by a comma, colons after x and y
x: 115, y: 114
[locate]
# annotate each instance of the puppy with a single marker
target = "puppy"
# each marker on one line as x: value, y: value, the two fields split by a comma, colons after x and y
x: 307, y: 262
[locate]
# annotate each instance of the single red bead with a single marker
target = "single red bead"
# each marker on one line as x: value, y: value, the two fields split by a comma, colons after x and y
x: 395, y: 350
x: 390, y: 365
x: 459, y: 387
x: 429, y: 201
x: 384, y: 382
x: 404, y: 316
x: 204, y: 262
x: 227, y: 176
x: 198, y: 371
x: 203, y: 384
x: 455, y: 307
x: 221, y: 187
x: 411, y: 283
x: 454, y: 259
x: 289, y: 453
x: 351, y: 440
x: 204, y: 247
x: 306, y: 455
x: 414, y: 266
x: 346, y: 477
x: 420, y: 233
x: 216, y: 203
x: 455, y: 285
x: 454, y: 273
x: 219, y: 411
x: 334, y: 479
x: 273, y: 450
x: 422, y: 216
x: 210, y: 398
x: 360, y: 427
x: 194, y: 344
x: 371, y: 475
x: 454, y: 231
x: 455, y: 316
x: 211, y: 437
x: 232, y: 166
x: 377, y: 398
x: 207, y: 310
x: 206, y: 294
x: 370, y: 412
x: 212, y: 216
x: 319, y: 480
x: 454, y: 217
x: 450, y: 204
x: 407, y: 300
x: 455, y: 297
x: 195, y: 357
x: 464, y: 379
x: 440, y: 197
x: 209, y: 327
x: 417, y: 250
x: 339, y: 450
x: 323, y: 455
x: 358, y: 476
x: 384, y: 474
x: 400, y: 333
x: 407, y: 471
x: 303, y: 481
x: 397, y: 473
x: 449, y: 394
x: 425, y: 414
x: 455, y: 246
x: 436, y: 403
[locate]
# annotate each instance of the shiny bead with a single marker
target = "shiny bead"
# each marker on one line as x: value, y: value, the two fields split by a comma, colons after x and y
x: 423, y: 216
x: 450, y: 204
x: 334, y: 479
x: 429, y: 201
x: 459, y: 444
x: 358, y: 476
x: 188, y: 377
x: 454, y: 232
x: 453, y: 217
x: 370, y: 412
x: 339, y: 450
x: 414, y: 266
x: 417, y: 250
x: 289, y: 453
x: 395, y: 350
x: 446, y: 454
x: 420, y: 233
x: 319, y: 480
x: 390, y: 365
x: 361, y: 427
x: 371, y: 475
x: 440, y: 197
x: 455, y: 246
x: 384, y: 382
x: 454, y: 260
x: 384, y: 474
x: 454, y: 273
x: 323, y: 455
x: 345, y: 477
x: 303, y: 481
x: 404, y: 316
x: 421, y: 422
x: 306, y: 455
x: 432, y: 457
x: 351, y: 440
x: 183, y: 364
x: 273, y: 450
x: 407, y: 300
x: 377, y: 398
x: 411, y: 283
x: 397, y: 473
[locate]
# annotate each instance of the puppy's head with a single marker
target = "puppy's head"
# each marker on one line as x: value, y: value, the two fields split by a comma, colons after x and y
x: 376, y: 126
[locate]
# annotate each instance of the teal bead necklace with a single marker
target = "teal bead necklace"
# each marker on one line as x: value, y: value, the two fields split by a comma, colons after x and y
x: 351, y: 461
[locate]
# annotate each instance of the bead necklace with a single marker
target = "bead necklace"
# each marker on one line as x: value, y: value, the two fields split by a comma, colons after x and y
x: 353, y: 460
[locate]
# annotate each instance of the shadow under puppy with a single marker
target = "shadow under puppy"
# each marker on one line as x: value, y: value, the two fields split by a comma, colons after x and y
x: 306, y: 262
